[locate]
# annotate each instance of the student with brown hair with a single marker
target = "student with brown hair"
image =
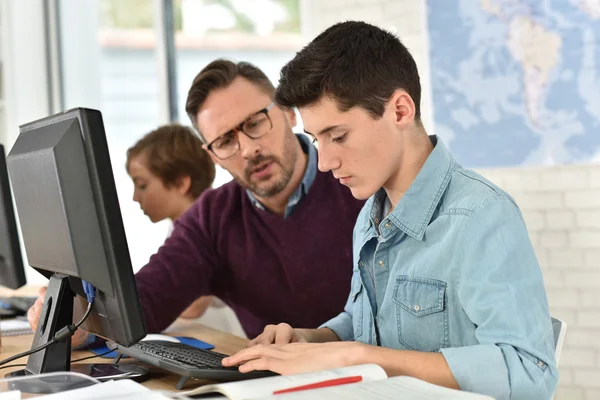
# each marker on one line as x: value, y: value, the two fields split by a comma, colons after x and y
x: 170, y: 170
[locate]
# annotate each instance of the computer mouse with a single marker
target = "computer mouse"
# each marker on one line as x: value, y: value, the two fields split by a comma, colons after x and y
x: 159, y: 337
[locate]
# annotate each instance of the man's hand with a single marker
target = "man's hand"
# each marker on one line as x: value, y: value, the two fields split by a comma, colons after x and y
x: 278, y: 334
x: 197, y: 308
x: 297, y: 358
x: 33, y: 316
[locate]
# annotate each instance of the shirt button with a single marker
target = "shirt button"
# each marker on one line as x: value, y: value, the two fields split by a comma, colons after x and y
x: 376, y: 220
x: 417, y: 308
x: 387, y: 225
x: 361, y: 264
x: 381, y: 263
x: 540, y: 364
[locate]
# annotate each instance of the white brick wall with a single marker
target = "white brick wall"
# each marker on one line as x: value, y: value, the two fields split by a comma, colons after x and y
x: 561, y: 205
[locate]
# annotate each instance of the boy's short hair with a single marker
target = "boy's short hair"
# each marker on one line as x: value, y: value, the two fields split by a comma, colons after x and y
x: 172, y: 152
x: 354, y: 64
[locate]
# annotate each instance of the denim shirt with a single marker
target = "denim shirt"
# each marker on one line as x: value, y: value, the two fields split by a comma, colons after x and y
x: 307, y: 180
x: 451, y: 269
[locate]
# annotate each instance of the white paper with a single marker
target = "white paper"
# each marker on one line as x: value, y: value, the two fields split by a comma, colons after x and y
x: 256, y: 388
x: 12, y: 395
x: 398, y: 388
x: 117, y: 390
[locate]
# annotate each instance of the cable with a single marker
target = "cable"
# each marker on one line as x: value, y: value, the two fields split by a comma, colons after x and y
x: 85, y: 315
x: 90, y: 291
x: 72, y: 361
x: 28, y: 352
x: 13, y: 365
x: 94, y: 356
x: 62, y: 335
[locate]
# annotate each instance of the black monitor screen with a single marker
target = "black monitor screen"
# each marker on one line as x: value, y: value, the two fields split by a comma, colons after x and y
x: 70, y: 217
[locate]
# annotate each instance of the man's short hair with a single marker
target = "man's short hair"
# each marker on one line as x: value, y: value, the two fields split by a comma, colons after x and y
x: 172, y: 152
x: 218, y: 75
x: 354, y: 64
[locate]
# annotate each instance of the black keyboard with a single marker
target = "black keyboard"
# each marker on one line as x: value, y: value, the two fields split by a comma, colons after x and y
x: 11, y: 307
x: 22, y: 303
x: 185, y: 360
x: 183, y: 353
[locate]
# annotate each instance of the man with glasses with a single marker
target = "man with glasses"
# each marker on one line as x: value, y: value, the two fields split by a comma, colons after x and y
x: 275, y: 244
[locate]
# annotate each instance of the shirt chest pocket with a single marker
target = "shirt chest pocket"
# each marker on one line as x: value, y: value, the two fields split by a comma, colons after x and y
x: 356, y: 296
x: 421, y: 313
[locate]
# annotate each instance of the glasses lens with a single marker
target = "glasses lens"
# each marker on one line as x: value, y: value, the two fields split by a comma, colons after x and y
x: 257, y: 125
x: 226, y: 145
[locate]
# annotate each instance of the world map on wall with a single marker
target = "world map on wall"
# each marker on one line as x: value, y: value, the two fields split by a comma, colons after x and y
x: 516, y: 82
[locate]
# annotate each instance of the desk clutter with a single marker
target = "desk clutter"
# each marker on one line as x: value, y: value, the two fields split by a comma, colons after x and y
x: 111, y: 390
x: 15, y: 327
x: 15, y: 306
x: 350, y: 383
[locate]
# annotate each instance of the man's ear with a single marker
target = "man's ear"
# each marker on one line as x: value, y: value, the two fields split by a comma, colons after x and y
x: 183, y: 184
x: 291, y: 116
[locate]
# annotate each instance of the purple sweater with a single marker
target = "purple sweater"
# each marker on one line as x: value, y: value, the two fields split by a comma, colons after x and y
x: 266, y: 268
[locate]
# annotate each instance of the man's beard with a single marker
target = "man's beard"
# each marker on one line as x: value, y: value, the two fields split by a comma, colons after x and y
x: 276, y: 187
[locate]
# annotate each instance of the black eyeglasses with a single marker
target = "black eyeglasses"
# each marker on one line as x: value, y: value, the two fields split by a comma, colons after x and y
x: 255, y: 126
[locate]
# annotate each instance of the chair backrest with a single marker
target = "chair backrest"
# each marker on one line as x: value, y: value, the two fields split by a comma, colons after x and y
x: 559, y: 328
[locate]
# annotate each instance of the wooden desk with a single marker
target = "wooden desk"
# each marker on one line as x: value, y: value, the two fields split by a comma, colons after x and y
x: 159, y: 379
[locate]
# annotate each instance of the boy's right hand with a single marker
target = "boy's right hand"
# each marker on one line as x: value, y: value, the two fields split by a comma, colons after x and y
x: 33, y: 316
x: 278, y: 334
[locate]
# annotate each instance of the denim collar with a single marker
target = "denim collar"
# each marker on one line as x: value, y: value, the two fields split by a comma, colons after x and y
x: 415, y: 210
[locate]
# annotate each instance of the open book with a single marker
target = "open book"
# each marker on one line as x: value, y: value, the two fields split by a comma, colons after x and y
x: 356, y: 382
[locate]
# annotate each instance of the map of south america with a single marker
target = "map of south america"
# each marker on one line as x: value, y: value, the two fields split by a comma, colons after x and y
x: 516, y: 82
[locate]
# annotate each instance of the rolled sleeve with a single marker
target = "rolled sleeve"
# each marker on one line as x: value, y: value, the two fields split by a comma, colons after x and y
x: 479, y: 369
x: 502, y: 291
x: 341, y: 325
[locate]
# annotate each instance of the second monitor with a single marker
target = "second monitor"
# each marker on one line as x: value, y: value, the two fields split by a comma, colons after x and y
x: 12, y: 274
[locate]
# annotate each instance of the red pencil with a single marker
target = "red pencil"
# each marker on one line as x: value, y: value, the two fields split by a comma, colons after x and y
x: 331, y: 382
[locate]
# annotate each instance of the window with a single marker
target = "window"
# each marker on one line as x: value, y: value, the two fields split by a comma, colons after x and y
x: 109, y: 62
x: 263, y: 32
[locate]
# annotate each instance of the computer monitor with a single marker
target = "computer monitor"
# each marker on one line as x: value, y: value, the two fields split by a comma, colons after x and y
x: 72, y: 230
x: 12, y: 274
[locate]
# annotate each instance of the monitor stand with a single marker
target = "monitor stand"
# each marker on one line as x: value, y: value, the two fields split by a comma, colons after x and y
x: 57, y: 313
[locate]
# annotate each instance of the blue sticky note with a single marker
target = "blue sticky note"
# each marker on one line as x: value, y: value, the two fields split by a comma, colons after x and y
x: 199, y: 344
x: 183, y: 339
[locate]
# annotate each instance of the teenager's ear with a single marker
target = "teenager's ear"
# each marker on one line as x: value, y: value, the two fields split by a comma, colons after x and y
x: 403, y: 106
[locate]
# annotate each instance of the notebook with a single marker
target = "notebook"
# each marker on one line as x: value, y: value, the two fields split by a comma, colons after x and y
x: 15, y: 327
